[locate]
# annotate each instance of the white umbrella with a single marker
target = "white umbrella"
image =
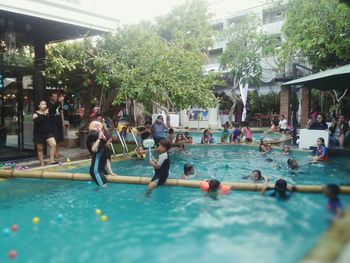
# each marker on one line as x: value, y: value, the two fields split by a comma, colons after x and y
x: 244, y: 93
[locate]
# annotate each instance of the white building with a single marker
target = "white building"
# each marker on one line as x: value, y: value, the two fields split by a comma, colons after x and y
x: 272, y: 17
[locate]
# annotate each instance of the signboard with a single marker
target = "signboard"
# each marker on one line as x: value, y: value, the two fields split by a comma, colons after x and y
x: 197, y: 114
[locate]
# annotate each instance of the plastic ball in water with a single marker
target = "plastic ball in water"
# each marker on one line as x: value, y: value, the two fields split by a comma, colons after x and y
x: 68, y: 160
x: 12, y: 254
x: 36, y: 220
x: 98, y: 212
x: 104, y: 218
x: 14, y: 227
x: 6, y: 231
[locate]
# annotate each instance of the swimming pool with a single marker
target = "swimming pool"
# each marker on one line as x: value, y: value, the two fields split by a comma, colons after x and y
x: 217, y: 136
x: 231, y: 162
x: 174, y: 225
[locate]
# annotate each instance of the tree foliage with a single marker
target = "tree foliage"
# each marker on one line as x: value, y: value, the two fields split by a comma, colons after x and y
x: 246, y: 44
x: 187, y: 26
x: 318, y: 30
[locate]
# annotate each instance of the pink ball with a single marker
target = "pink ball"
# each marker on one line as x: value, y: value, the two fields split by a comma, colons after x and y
x: 14, y: 227
x: 12, y: 254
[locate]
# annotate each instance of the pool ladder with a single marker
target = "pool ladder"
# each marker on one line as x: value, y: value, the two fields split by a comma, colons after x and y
x: 123, y: 142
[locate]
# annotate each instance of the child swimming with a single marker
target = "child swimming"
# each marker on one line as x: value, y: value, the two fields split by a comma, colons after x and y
x: 292, y: 164
x: 188, y: 171
x: 281, y: 191
x: 161, y: 166
x: 264, y: 147
x: 214, y: 187
x: 286, y: 150
x: 334, y: 205
x: 257, y: 177
x: 139, y: 153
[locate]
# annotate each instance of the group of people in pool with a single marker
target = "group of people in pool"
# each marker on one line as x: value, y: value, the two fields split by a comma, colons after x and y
x: 98, y: 143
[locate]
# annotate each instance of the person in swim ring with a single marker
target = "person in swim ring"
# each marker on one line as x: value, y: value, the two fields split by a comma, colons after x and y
x: 214, y: 187
x: 161, y: 166
x: 334, y: 205
x: 281, y: 190
x: 256, y: 177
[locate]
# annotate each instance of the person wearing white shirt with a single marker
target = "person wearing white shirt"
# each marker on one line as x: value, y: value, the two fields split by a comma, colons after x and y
x: 283, y: 124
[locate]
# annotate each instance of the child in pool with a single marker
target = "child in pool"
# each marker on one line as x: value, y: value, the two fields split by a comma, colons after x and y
x: 286, y: 150
x: 139, y: 153
x: 188, y: 171
x: 281, y: 190
x: 292, y: 164
x: 171, y: 135
x: 188, y: 138
x: 214, y: 187
x: 257, y: 177
x: 321, y: 151
x: 179, y: 139
x: 206, y: 137
x: 161, y: 166
x: 246, y: 132
x: 264, y: 147
x: 236, y: 134
x: 334, y: 205
x: 225, y: 135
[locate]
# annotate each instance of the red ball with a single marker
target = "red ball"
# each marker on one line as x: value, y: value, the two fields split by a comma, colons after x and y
x: 14, y: 227
x: 12, y: 254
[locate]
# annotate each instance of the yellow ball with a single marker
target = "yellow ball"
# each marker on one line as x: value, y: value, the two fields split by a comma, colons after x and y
x: 98, y: 212
x: 36, y: 220
x: 104, y: 218
x: 68, y: 160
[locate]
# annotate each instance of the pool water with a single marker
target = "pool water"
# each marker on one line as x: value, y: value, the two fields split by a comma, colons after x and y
x: 217, y: 136
x: 174, y: 225
x: 230, y: 163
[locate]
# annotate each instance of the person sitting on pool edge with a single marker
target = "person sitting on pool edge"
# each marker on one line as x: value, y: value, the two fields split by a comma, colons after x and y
x: 256, y: 177
x: 161, y: 166
x: 188, y: 171
x: 225, y: 135
x: 321, y: 151
x: 334, y: 206
x: 206, y: 137
x: 214, y: 187
x: 281, y: 190
x: 246, y: 133
x: 236, y: 134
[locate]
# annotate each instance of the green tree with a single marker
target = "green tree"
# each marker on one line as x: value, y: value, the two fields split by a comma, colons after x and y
x: 246, y: 44
x: 319, y: 31
x: 187, y: 26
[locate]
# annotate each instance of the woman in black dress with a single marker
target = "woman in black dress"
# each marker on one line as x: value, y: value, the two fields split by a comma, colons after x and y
x: 42, y: 132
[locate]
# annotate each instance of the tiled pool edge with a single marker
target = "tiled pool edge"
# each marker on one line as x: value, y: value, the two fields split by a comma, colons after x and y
x: 332, y: 244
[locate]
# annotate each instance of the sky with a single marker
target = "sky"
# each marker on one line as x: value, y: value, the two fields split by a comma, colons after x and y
x: 133, y: 11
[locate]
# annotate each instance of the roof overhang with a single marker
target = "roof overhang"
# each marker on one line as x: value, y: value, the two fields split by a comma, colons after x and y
x: 337, y: 78
x: 52, y: 21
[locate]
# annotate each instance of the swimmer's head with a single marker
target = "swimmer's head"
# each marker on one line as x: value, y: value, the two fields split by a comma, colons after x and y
x: 285, y: 149
x: 187, y: 134
x: 188, y: 169
x: 213, y: 185
x: 281, y: 185
x: 292, y: 163
x: 171, y: 131
x: 206, y: 132
x: 269, y: 160
x: 331, y: 190
x: 256, y: 175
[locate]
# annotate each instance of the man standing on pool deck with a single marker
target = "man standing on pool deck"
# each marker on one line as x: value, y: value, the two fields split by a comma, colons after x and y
x: 161, y: 167
x: 56, y: 118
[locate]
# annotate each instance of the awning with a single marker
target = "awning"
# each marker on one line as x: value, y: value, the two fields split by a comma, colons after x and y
x: 337, y: 78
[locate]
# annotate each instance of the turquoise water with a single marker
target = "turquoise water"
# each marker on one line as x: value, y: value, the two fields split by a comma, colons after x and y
x: 230, y: 163
x: 173, y: 225
x: 217, y: 136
